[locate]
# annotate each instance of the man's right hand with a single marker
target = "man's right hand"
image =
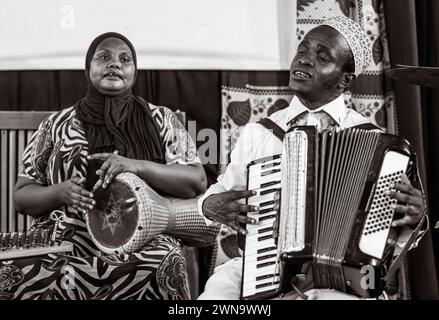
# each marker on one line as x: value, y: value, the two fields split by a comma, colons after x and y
x: 224, y: 207
x: 71, y: 193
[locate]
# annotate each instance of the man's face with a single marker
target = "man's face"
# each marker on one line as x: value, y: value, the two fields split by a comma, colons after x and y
x: 317, y: 68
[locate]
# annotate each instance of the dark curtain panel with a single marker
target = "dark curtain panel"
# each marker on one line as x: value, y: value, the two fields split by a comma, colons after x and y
x: 428, y: 35
x: 413, y: 35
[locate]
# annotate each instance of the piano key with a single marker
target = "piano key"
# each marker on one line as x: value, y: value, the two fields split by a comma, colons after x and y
x: 272, y: 216
x: 268, y: 284
x: 267, y: 266
x: 268, y: 172
x: 259, y: 179
x: 267, y: 276
x: 250, y: 271
x: 257, y: 169
x: 260, y: 283
x: 261, y: 219
x: 255, y: 236
x: 269, y: 184
x: 266, y: 204
x: 260, y: 258
x: 252, y: 284
x: 270, y: 165
x: 266, y: 249
x: 267, y: 191
x: 268, y: 262
x: 254, y: 228
x: 268, y: 209
x: 266, y: 243
x: 266, y: 229
x: 251, y: 292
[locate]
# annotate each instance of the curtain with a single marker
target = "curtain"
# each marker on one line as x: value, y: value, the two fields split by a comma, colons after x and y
x: 413, y: 37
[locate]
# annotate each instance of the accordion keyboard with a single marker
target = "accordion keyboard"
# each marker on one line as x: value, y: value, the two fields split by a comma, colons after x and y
x: 260, y: 270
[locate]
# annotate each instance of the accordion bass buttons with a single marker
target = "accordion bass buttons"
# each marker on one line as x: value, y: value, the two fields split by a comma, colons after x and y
x: 380, y: 213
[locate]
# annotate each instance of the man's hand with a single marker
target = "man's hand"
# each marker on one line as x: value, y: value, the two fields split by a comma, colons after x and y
x: 112, y: 166
x: 71, y: 193
x: 410, y: 202
x: 224, y: 207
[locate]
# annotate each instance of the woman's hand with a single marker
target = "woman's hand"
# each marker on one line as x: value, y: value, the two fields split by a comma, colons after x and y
x: 410, y: 202
x: 72, y: 194
x: 112, y: 166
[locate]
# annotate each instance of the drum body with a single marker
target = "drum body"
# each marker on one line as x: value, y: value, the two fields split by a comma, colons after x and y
x: 128, y: 214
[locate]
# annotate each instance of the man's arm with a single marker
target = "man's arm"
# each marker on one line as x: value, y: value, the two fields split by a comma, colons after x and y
x: 223, y: 200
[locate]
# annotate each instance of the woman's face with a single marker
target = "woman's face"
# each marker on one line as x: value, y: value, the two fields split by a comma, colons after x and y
x: 112, y: 67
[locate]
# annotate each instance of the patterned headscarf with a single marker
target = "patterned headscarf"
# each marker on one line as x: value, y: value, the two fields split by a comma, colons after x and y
x: 356, y: 38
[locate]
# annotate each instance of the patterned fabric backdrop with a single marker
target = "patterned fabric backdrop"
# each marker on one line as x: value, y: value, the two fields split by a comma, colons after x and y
x: 372, y: 96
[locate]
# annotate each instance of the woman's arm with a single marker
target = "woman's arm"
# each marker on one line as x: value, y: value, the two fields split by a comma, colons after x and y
x: 35, y: 199
x: 185, y: 181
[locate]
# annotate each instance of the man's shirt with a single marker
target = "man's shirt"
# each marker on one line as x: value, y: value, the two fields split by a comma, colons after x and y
x: 257, y: 142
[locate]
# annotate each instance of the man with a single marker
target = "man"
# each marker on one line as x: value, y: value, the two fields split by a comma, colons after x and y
x: 328, y: 61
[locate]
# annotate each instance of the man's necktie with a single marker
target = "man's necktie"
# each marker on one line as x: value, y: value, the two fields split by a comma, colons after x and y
x: 320, y: 119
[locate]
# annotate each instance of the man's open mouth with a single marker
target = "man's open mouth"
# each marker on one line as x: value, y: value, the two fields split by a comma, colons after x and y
x: 302, y: 74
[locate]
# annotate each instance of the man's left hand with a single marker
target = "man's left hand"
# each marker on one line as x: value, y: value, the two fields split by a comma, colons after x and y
x: 410, y: 202
x: 113, y: 165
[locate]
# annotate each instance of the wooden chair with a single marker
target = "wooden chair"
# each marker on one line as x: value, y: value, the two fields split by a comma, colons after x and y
x: 16, y: 128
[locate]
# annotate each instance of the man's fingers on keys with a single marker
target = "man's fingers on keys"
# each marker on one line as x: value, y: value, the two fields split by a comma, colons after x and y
x: 235, y: 195
x: 237, y: 228
x: 407, y: 209
x: 402, y: 222
x: 403, y: 198
x: 244, y: 219
x: 247, y: 208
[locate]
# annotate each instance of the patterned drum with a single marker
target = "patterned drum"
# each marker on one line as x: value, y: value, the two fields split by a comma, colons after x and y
x: 129, y: 213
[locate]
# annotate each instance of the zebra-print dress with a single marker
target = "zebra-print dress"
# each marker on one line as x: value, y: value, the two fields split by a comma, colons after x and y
x: 57, y: 152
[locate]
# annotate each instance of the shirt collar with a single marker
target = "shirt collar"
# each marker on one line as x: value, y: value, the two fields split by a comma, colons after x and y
x: 335, y: 108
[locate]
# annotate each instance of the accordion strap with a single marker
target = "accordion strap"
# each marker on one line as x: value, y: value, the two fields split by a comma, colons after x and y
x: 399, y: 259
x: 269, y: 124
x: 272, y: 126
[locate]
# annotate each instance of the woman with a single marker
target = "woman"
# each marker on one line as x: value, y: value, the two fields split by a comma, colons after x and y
x: 107, y: 132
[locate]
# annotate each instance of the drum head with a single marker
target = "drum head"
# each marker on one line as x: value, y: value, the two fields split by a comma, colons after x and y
x: 114, y: 219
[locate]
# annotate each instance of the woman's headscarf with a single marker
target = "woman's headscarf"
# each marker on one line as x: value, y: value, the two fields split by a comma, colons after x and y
x: 122, y: 122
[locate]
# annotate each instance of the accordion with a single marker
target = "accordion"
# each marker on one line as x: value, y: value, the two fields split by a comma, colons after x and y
x: 324, y: 217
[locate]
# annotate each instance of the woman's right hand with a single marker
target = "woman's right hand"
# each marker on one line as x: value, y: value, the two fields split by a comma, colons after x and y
x: 72, y: 194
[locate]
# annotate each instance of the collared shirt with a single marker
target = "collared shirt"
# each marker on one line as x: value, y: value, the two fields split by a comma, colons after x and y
x: 256, y: 142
